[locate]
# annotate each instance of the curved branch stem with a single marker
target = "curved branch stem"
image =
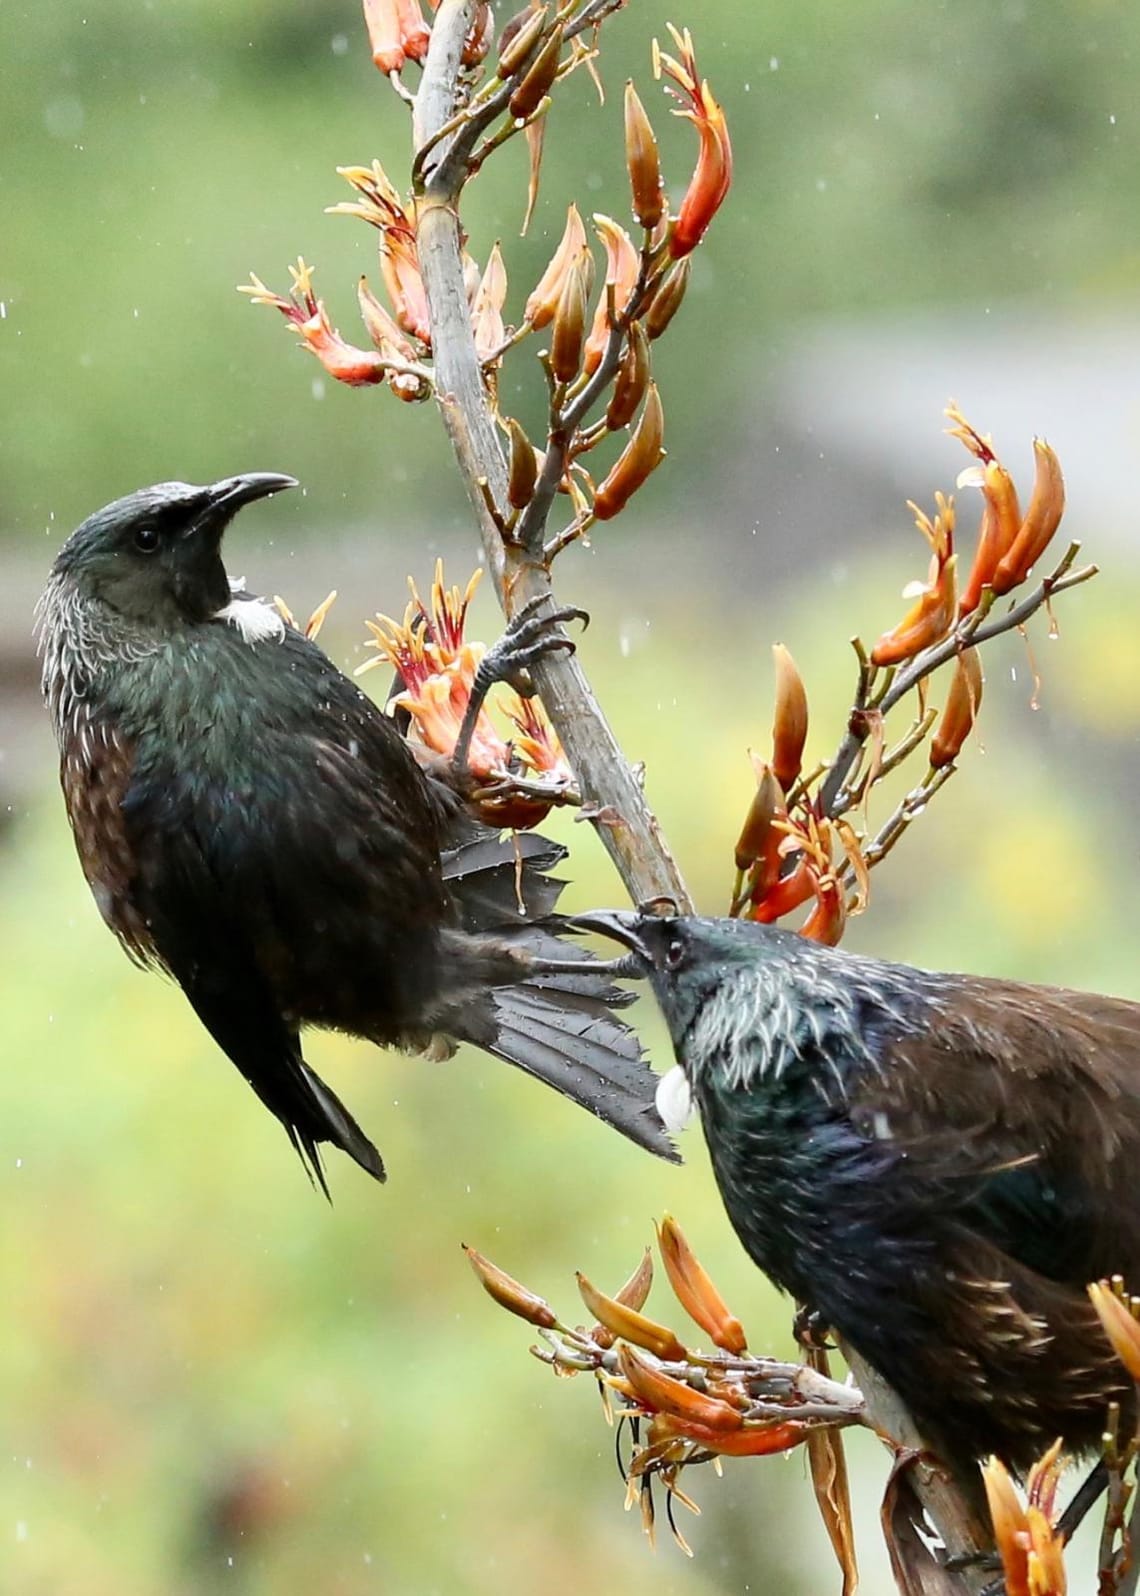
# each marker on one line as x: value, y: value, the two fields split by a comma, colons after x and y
x: 611, y: 791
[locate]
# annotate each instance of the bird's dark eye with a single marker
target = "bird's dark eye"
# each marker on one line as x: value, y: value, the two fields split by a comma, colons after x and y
x: 146, y: 539
x: 674, y: 954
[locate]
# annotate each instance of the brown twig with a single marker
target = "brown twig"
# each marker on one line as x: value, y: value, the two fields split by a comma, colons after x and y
x: 974, y: 629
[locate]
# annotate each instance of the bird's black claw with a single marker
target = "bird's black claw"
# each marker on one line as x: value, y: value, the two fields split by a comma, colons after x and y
x: 528, y: 637
x: 810, y: 1330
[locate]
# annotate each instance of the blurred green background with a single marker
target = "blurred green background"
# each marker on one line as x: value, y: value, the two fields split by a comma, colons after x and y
x: 209, y: 1380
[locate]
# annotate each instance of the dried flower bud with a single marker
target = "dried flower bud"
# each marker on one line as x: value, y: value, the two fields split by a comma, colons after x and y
x: 487, y: 310
x: 666, y: 301
x: 640, y: 457
x: 523, y: 472
x: 519, y: 38
x: 569, y: 328
x: 790, y: 727
x: 962, y: 702
x: 628, y: 1323
x: 1046, y: 507
x: 621, y: 277
x: 537, y: 82
x: 636, y: 1288
x: 1119, y: 1325
x: 756, y: 834
x: 695, y: 1291
x: 543, y: 302
x: 632, y: 1295
x: 509, y: 1294
x: 631, y: 381
x: 642, y: 159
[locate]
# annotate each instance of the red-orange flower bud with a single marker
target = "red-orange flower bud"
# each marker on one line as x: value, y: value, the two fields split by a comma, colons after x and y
x: 927, y: 622
x: 621, y: 276
x: 543, y: 301
x: 695, y: 1291
x: 640, y: 457
x: 382, y: 19
x: 1031, y: 1549
x: 632, y: 1295
x: 523, y: 471
x: 631, y: 381
x: 1001, y: 517
x: 961, y: 710
x: 659, y: 1392
x: 519, y: 38
x: 538, y: 79
x: 642, y: 159
x: 931, y: 617
x: 1046, y: 507
x: 415, y: 35
x: 828, y: 919
x: 787, y: 893
x: 666, y: 302
x: 569, y: 328
x: 758, y: 839
x: 751, y: 1440
x: 790, y: 727
x: 629, y: 1323
x: 509, y: 1293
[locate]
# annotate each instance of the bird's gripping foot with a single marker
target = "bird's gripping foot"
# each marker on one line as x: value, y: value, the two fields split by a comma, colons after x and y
x: 528, y: 637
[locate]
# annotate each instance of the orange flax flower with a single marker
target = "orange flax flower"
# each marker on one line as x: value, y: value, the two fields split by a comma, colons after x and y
x: 932, y: 615
x: 712, y: 178
x: 621, y: 274
x: 437, y: 665
x: 381, y: 207
x: 307, y: 315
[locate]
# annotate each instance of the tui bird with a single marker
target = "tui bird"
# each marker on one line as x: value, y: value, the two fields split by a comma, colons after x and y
x: 253, y: 824
x: 935, y: 1165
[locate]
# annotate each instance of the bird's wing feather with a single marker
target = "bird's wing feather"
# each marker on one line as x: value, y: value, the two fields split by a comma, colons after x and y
x: 203, y: 941
x: 96, y: 767
x: 1018, y: 1105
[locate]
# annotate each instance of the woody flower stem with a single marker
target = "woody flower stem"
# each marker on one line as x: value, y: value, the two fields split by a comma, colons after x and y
x: 613, y: 796
x: 626, y: 825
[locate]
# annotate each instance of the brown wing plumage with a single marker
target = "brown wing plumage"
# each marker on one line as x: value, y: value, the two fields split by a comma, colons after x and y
x: 96, y: 765
x: 1018, y: 1121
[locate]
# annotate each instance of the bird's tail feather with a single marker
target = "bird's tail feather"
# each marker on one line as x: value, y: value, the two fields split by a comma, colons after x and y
x: 325, y: 1119
x: 561, y: 1028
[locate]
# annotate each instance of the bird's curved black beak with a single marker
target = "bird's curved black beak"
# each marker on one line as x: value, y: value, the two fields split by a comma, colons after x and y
x: 216, y: 505
x: 621, y: 925
x: 232, y: 492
